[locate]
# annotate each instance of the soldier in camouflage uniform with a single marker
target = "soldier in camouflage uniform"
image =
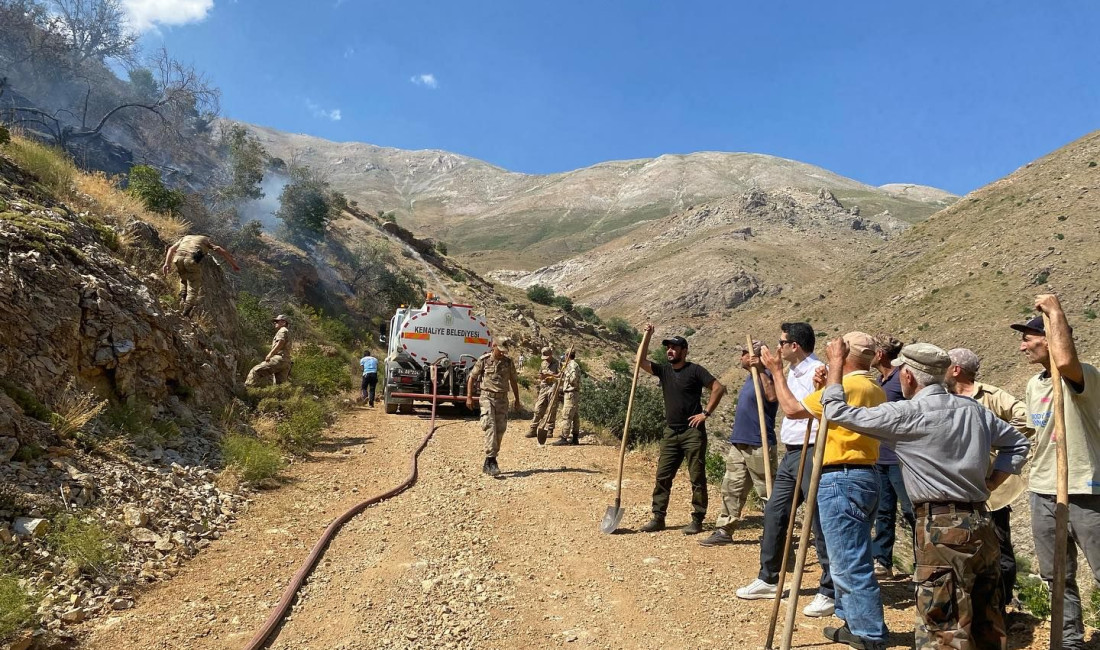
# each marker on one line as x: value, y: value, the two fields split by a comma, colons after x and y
x: 546, y: 402
x: 186, y: 256
x: 276, y: 365
x: 496, y: 372
x: 944, y: 443
x: 570, y: 388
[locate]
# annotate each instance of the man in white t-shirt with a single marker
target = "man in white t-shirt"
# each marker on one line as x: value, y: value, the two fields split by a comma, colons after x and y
x: 1081, y: 395
x: 796, y: 347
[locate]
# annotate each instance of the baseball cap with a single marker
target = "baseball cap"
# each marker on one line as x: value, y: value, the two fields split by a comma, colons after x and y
x: 281, y: 317
x: 675, y: 340
x: 924, y: 357
x: 547, y: 351
x: 860, y: 344
x: 756, y: 345
x: 1034, y: 326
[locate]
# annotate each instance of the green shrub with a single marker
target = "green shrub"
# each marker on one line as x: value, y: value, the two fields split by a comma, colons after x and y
x: 716, y: 468
x: 541, y: 294
x: 523, y: 381
x: 26, y: 401
x: 604, y: 402
x: 255, y: 459
x: 621, y: 366
x: 336, y: 331
x: 658, y: 355
x: 623, y: 329
x: 319, y: 374
x: 144, y: 184
x: 5, y: 134
x: 255, y: 319
x: 441, y: 246
x: 689, y: 331
x: 300, y: 428
x: 1041, y: 277
x: 587, y: 314
x: 87, y: 543
x: 1034, y: 596
x: 16, y: 607
x: 1092, y: 609
x: 1090, y: 314
x: 533, y: 362
x: 564, y: 303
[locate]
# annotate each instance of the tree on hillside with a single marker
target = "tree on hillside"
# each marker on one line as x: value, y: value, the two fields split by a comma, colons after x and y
x: 145, y: 184
x: 541, y: 294
x: 244, y: 168
x: 144, y: 84
x: 94, y: 29
x: 185, y: 108
x: 305, y: 207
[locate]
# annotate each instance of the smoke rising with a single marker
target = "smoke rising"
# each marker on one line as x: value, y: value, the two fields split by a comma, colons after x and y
x: 264, y: 209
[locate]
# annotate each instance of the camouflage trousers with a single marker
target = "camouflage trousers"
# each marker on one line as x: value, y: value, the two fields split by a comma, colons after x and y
x: 494, y: 420
x: 544, y: 404
x: 958, y: 580
x: 277, y: 368
x: 570, y: 417
x: 190, y: 284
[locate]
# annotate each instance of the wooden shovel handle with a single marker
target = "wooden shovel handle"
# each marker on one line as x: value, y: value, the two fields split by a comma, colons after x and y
x: 642, y: 347
x: 1061, y: 504
x: 760, y: 415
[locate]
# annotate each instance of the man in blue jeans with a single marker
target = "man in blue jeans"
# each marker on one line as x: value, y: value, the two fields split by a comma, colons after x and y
x: 370, y: 378
x: 847, y: 497
x: 891, y: 487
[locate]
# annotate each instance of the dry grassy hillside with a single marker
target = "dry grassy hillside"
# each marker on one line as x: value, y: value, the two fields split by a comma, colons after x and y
x: 960, y: 278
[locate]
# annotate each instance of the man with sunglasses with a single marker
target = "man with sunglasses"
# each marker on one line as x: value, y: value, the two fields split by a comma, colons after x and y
x: 685, y: 435
x: 796, y: 347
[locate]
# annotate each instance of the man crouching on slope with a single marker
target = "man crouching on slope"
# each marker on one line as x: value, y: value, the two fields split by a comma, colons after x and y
x: 943, y: 442
x: 685, y: 436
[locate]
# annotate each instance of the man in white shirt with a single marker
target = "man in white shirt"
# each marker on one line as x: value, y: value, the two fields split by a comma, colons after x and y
x: 796, y: 347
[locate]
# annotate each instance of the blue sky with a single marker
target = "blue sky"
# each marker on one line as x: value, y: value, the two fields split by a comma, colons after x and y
x: 949, y: 94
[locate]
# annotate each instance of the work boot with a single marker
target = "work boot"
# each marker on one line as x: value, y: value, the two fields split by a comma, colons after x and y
x: 720, y: 537
x: 561, y: 442
x: 694, y: 528
x: 491, y: 467
x: 653, y: 525
x: 530, y: 434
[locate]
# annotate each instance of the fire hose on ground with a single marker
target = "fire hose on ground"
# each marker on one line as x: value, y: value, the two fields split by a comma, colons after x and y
x: 260, y: 639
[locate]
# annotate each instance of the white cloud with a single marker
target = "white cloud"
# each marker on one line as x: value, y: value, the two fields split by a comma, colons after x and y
x: 349, y: 52
x: 145, y: 15
x: 316, y: 110
x: 427, y: 80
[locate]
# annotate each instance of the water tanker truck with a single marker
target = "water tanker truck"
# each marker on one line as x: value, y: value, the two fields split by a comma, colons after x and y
x: 448, y: 335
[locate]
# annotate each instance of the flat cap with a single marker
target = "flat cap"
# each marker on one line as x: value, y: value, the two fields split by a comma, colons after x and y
x: 860, y: 344
x: 756, y: 345
x: 924, y: 357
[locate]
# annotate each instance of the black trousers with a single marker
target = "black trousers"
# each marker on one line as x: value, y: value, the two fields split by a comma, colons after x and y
x: 1008, y: 556
x: 366, y: 389
x: 676, y: 447
x: 777, y: 513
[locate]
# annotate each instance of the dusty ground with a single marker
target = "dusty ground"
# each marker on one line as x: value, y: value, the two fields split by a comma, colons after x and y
x: 466, y: 561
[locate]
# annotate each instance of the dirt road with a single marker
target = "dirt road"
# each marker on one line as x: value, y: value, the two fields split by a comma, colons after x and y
x: 466, y: 561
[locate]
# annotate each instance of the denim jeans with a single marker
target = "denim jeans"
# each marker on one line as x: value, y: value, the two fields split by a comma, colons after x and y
x: 891, y: 492
x: 846, y: 502
x: 777, y: 512
x: 1084, y: 533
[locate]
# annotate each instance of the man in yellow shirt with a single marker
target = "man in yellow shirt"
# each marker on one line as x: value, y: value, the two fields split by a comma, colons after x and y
x: 847, y: 496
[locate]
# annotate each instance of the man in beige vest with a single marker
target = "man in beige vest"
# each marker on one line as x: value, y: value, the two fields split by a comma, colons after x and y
x: 960, y: 380
x: 187, y: 255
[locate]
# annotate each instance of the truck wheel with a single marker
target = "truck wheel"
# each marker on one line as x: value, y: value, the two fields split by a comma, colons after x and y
x: 405, y: 408
x: 391, y: 408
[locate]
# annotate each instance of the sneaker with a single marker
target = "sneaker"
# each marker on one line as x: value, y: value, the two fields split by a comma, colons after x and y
x: 694, y: 528
x: 882, y: 570
x: 820, y: 606
x: 758, y: 590
x: 653, y: 525
x: 718, y: 538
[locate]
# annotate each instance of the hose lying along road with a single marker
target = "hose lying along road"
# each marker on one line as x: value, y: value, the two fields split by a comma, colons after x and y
x: 259, y: 640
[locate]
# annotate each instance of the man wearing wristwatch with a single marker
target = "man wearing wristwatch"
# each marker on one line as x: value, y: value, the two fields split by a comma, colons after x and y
x: 685, y: 435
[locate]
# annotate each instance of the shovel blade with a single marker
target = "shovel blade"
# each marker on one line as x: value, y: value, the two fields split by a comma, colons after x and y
x: 541, y: 436
x: 611, y: 520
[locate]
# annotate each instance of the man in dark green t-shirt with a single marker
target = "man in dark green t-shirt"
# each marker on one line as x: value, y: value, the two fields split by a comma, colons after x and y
x: 685, y: 435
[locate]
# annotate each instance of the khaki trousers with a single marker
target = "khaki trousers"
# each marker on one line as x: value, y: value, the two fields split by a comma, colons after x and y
x: 278, y: 367
x: 494, y: 420
x: 190, y: 284
x: 570, y: 417
x: 744, y: 471
x: 543, y: 403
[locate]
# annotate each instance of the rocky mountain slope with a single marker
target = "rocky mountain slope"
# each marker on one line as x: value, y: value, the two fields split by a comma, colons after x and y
x: 494, y: 218
x: 957, y: 279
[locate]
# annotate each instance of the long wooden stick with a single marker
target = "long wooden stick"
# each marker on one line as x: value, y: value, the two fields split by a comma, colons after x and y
x: 1061, y: 504
x: 760, y: 416
x: 807, y: 526
x: 551, y: 410
x: 642, y: 347
x: 790, y: 534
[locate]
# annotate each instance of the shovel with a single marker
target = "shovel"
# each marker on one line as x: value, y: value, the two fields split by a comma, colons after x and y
x: 614, y: 513
x: 1061, y: 504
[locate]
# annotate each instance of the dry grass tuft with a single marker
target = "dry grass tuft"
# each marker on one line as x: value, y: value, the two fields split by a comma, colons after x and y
x: 100, y: 193
x: 74, y: 410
